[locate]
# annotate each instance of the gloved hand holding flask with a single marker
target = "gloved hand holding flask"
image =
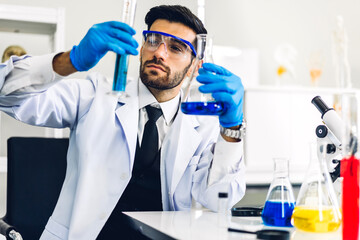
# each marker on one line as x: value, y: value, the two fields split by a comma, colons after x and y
x: 226, y: 88
x: 215, y: 91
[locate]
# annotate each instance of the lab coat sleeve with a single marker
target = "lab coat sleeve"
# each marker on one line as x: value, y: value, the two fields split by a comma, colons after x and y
x: 27, y: 73
x: 226, y: 174
x: 227, y: 159
x: 31, y: 92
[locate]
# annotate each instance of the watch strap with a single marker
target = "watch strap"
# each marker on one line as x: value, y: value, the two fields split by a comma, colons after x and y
x: 233, y: 133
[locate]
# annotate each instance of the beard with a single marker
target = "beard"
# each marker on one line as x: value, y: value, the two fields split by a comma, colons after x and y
x: 164, y: 82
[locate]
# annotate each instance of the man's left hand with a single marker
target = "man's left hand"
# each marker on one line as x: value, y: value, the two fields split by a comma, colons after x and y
x: 225, y: 87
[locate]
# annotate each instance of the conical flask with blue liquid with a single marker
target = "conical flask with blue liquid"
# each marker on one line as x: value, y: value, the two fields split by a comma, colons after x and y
x: 194, y: 102
x: 280, y: 200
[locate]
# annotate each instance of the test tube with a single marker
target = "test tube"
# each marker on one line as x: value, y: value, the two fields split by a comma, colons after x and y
x: 223, y: 211
x: 122, y: 61
x: 222, y: 203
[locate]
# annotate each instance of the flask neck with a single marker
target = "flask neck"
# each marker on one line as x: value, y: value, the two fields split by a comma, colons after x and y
x: 281, y: 175
x: 281, y: 168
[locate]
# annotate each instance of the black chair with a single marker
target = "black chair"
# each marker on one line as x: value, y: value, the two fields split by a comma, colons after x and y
x: 36, y: 172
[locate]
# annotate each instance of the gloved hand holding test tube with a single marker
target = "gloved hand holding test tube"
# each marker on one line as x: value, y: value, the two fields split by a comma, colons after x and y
x: 109, y: 36
x: 122, y: 60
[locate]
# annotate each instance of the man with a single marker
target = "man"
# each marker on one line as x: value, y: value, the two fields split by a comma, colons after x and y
x: 107, y: 171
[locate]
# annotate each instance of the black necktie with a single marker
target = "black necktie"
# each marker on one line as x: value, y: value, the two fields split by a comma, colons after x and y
x: 150, y: 140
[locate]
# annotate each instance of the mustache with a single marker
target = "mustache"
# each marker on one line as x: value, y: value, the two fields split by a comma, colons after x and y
x: 158, y: 62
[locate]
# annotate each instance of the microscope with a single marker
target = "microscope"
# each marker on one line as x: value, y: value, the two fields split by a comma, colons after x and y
x: 329, y: 135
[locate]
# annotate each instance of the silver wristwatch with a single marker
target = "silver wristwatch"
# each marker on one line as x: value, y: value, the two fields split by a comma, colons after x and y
x: 236, y: 134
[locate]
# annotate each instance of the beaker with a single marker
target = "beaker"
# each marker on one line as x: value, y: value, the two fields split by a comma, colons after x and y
x: 317, y: 209
x: 122, y: 61
x: 194, y: 102
x: 280, y: 200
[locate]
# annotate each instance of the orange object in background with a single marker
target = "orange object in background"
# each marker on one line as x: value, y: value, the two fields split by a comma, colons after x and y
x: 281, y: 70
x: 315, y: 75
x: 350, y: 172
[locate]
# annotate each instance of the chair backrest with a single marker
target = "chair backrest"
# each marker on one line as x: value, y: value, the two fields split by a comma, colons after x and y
x: 36, y: 172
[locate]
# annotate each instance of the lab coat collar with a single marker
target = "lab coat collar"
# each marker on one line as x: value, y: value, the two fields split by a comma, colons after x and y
x: 169, y: 108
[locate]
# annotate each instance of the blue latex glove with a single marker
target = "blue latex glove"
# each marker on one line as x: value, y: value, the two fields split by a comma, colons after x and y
x: 225, y: 87
x: 101, y: 38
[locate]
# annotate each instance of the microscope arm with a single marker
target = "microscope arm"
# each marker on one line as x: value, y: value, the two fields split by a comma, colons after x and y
x: 333, y: 149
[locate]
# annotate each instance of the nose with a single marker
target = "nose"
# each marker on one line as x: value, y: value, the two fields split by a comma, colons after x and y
x: 161, y: 51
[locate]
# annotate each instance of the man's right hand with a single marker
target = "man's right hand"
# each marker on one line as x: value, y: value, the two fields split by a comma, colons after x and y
x: 101, y: 38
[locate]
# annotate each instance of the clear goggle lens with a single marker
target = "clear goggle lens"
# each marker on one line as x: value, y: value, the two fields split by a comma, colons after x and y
x: 174, y: 46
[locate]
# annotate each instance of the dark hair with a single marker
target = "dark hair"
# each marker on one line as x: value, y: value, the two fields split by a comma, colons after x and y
x: 175, y: 13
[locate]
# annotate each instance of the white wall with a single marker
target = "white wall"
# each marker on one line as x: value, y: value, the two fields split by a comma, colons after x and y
x: 306, y: 24
x: 261, y: 24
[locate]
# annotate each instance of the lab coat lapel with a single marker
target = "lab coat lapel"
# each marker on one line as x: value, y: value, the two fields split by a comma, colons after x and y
x: 128, y: 115
x: 179, y: 146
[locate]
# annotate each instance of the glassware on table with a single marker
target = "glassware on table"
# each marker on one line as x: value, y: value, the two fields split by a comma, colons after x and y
x: 317, y: 209
x: 350, y: 166
x: 195, y: 102
x: 224, y: 213
x: 122, y: 61
x: 280, y: 200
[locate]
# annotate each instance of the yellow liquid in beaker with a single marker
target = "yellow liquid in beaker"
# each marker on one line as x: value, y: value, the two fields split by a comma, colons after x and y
x: 314, y: 220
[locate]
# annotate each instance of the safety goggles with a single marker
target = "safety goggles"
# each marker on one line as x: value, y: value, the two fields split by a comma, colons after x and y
x: 175, y: 47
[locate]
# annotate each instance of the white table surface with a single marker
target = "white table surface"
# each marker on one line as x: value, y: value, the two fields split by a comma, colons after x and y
x: 204, y: 224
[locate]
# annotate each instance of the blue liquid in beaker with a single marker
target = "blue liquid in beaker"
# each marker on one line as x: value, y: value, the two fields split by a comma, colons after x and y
x: 120, y: 75
x: 202, y: 108
x: 277, y: 213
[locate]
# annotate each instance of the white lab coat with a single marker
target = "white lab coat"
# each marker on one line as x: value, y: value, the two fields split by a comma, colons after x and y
x: 102, y: 147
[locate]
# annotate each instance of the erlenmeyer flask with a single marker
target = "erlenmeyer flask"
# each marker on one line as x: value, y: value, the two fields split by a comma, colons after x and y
x: 317, y: 209
x: 280, y: 199
x: 194, y: 102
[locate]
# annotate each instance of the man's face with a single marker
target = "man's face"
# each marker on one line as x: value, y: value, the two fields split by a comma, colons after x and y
x: 159, y: 69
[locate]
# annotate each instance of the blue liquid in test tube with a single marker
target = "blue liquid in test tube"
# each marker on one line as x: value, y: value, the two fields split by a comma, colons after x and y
x: 202, y: 108
x: 120, y: 75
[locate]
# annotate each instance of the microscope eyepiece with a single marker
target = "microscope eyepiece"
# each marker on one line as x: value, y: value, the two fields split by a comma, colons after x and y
x: 320, y: 105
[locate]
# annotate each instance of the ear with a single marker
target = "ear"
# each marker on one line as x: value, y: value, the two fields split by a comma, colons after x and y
x: 140, y: 53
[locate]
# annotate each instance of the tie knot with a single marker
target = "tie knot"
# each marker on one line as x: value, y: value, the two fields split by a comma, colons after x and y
x: 153, y: 113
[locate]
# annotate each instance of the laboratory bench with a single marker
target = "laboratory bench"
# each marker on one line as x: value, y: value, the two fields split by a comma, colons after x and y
x: 205, y: 224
